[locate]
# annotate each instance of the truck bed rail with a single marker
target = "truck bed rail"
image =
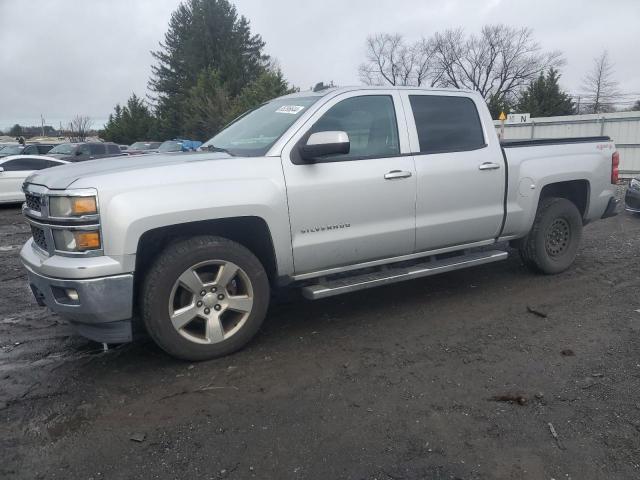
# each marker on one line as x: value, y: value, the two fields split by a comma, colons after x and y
x: 552, y: 141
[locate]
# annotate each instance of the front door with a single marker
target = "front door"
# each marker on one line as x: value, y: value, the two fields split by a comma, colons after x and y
x: 351, y: 208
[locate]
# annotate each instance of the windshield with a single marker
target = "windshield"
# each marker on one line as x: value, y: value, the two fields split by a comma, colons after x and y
x: 12, y: 149
x: 170, y: 146
x: 144, y: 146
x: 63, y: 149
x: 253, y: 134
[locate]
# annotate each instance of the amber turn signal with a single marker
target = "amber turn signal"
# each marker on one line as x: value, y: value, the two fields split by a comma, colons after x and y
x: 83, y: 206
x: 87, y: 240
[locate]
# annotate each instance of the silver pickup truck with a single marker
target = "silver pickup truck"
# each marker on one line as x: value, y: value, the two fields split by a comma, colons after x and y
x: 329, y: 192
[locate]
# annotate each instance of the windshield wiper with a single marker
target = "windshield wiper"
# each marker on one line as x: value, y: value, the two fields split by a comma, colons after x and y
x: 213, y: 148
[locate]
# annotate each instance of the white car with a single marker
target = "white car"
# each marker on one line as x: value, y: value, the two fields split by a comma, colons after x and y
x: 15, y: 169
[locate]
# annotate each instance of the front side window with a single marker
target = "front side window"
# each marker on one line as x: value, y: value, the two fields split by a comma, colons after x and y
x: 446, y: 123
x: 171, y: 146
x: 84, y: 149
x: 63, y: 149
x: 255, y: 132
x: 370, y: 122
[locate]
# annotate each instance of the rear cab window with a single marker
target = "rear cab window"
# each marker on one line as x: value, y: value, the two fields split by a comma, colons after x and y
x: 446, y: 123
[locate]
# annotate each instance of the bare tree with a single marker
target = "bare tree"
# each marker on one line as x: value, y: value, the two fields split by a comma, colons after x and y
x: 601, y: 89
x: 391, y: 60
x: 497, y: 63
x: 78, y: 128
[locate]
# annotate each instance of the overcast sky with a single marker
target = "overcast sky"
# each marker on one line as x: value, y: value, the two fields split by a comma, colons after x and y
x: 64, y: 57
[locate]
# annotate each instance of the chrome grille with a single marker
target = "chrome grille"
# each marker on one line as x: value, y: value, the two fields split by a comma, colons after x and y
x: 32, y: 201
x: 38, y: 237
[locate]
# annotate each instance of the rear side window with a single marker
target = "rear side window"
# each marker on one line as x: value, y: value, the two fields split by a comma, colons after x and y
x: 97, y: 149
x: 24, y: 164
x: 114, y: 149
x: 14, y: 165
x: 44, y: 148
x: 446, y: 124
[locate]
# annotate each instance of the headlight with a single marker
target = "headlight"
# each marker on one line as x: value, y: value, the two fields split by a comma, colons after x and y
x: 635, y: 184
x: 76, y: 240
x: 72, y: 206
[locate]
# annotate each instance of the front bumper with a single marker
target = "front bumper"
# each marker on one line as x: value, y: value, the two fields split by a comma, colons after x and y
x: 100, y: 309
x: 632, y: 201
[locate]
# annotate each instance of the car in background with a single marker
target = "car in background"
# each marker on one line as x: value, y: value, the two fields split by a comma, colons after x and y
x: 79, y: 152
x: 632, y: 198
x: 179, y: 145
x: 138, y: 148
x: 15, y: 169
x: 28, y: 149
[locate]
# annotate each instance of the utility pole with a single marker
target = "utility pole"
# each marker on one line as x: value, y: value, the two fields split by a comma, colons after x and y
x: 42, y: 123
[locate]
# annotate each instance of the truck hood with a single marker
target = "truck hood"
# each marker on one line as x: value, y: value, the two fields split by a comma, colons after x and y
x: 59, y: 178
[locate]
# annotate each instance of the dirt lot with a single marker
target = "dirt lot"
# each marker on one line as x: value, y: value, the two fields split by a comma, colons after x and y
x: 400, y: 382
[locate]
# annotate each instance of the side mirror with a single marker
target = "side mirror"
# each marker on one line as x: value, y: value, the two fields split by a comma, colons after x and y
x: 78, y: 153
x: 321, y: 144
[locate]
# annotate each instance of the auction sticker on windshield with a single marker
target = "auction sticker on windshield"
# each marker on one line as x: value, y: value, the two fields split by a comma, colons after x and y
x: 291, y: 109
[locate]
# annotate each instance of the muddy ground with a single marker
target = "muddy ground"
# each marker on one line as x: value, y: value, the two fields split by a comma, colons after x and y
x: 401, y: 382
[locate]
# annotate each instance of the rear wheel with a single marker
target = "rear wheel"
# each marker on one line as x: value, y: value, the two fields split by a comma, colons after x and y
x: 552, y: 244
x: 204, y: 297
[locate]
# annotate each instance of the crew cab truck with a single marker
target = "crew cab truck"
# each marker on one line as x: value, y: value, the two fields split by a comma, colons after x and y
x: 328, y: 191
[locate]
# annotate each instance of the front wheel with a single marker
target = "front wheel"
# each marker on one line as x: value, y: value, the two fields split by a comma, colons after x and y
x: 204, y: 297
x: 552, y: 244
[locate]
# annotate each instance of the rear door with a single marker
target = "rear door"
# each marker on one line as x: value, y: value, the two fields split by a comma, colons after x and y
x: 460, y: 170
x: 12, y: 177
x: 353, y: 207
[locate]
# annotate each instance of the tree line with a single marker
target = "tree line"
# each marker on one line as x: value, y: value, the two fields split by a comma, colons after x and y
x: 210, y: 68
x: 506, y: 65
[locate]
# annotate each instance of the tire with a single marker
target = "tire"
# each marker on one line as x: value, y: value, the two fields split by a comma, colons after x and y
x: 552, y: 244
x: 228, y: 315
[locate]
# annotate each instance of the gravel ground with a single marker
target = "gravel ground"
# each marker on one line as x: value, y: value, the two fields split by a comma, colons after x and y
x: 448, y: 377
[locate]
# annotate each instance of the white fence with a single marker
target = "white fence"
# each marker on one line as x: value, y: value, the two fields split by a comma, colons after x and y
x: 622, y: 127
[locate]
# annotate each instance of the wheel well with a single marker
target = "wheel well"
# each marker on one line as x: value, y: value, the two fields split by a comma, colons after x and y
x: 251, y: 232
x: 576, y: 191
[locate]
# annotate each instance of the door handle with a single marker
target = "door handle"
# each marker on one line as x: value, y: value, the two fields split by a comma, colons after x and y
x: 393, y: 174
x: 489, y: 166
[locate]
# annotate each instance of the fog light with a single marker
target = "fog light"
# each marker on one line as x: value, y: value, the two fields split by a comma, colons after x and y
x: 72, y: 293
x: 76, y: 240
x: 87, y: 240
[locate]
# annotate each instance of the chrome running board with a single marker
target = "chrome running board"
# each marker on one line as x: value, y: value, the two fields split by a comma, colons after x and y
x: 330, y: 287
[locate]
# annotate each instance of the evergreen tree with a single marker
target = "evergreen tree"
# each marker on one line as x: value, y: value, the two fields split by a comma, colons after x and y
x: 203, y: 35
x: 209, y: 105
x: 131, y: 123
x: 205, y: 107
x: 543, y: 97
x: 15, y: 131
x: 498, y: 104
x: 268, y: 85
